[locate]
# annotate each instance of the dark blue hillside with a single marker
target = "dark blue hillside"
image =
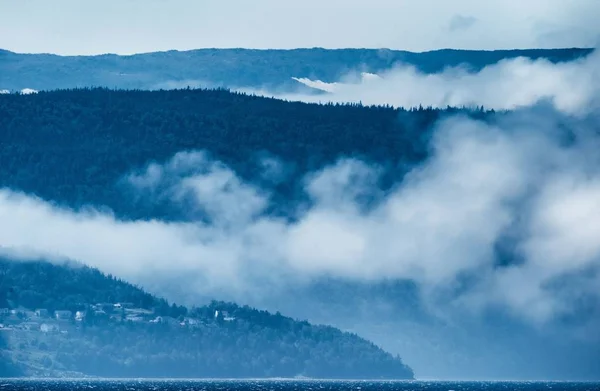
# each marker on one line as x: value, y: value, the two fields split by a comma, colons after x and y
x: 74, y: 146
x: 106, y: 327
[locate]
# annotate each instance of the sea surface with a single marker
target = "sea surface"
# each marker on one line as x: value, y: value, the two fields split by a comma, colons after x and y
x: 288, y: 385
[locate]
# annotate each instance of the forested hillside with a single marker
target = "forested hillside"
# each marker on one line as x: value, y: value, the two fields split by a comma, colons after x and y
x: 149, y: 338
x: 75, y: 146
x: 45, y: 285
x: 234, y: 68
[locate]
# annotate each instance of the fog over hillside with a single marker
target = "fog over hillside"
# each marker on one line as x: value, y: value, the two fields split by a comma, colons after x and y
x: 498, y: 221
x: 506, y: 85
x: 434, y: 190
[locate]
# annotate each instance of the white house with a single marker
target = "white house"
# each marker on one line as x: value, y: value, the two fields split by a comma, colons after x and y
x: 165, y: 320
x: 120, y: 306
x: 63, y: 315
x: 49, y: 328
x: 225, y: 315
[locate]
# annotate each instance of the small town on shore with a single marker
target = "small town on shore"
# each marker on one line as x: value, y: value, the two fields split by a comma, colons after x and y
x: 61, y: 321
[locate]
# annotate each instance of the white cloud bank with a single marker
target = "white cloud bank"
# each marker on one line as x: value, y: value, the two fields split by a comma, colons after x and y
x: 443, y: 223
x: 572, y: 87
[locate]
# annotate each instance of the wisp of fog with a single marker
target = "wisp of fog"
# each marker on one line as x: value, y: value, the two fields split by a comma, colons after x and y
x: 502, y: 214
x: 507, y: 85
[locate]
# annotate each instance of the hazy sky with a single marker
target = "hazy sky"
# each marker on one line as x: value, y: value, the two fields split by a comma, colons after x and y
x: 133, y: 26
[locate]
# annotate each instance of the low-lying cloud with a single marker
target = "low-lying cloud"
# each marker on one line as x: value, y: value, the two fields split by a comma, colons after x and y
x: 572, y: 87
x: 499, y: 215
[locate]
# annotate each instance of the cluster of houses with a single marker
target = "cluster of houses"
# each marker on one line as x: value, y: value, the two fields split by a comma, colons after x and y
x: 62, y: 320
x: 38, y: 320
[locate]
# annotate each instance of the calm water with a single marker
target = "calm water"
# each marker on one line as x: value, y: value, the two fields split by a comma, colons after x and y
x: 285, y: 385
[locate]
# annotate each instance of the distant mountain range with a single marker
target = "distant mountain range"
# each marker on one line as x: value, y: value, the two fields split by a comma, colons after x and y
x: 238, y: 68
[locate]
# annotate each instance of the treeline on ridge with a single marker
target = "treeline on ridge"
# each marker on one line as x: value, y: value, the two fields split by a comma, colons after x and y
x: 75, y: 146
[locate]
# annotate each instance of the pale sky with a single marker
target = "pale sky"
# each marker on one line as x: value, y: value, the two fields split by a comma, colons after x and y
x: 134, y: 26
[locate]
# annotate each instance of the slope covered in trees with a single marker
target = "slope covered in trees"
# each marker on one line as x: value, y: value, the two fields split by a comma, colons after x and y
x: 75, y: 146
x: 179, y: 342
x: 237, y: 67
x: 45, y: 285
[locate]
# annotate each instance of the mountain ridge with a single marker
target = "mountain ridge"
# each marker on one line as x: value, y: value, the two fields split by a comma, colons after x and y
x: 239, y: 68
x: 585, y: 50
